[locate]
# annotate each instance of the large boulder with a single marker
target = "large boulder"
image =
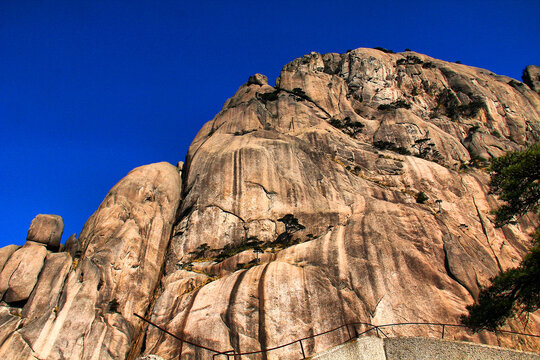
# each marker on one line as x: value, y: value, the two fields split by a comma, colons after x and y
x: 46, y: 229
x: 5, y: 254
x: 20, y: 274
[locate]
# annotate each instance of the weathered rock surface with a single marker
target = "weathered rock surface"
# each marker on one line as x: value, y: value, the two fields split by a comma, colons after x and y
x: 83, y: 309
x: 531, y: 77
x: 46, y: 229
x: 73, y: 246
x: 20, y: 274
x: 296, y: 212
x: 329, y: 144
x: 5, y: 254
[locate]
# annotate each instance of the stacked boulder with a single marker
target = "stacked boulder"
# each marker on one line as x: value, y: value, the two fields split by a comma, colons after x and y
x: 21, y: 266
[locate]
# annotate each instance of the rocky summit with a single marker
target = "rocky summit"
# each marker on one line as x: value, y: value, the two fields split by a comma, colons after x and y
x: 354, y: 190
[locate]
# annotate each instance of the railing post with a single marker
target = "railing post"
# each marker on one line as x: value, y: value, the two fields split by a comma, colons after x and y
x: 377, y: 330
x: 349, y: 332
x: 302, y: 347
x: 442, y: 331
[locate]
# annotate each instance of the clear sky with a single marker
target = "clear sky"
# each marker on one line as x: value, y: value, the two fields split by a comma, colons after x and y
x: 90, y: 89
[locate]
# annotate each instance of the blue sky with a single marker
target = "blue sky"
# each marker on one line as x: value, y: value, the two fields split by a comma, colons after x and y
x: 92, y: 89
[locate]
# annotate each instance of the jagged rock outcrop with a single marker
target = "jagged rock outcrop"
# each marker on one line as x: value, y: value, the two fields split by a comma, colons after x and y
x: 297, y: 211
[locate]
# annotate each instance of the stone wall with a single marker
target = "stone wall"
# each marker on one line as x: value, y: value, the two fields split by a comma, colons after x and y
x: 419, y: 348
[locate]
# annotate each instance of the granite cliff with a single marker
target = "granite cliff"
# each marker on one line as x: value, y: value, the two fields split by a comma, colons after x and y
x: 354, y: 189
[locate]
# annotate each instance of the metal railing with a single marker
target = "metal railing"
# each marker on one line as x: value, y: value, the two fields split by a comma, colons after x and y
x: 354, y: 334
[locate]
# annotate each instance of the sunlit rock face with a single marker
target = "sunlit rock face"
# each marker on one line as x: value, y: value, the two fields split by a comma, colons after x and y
x: 297, y: 210
x: 334, y: 144
x: 82, y: 307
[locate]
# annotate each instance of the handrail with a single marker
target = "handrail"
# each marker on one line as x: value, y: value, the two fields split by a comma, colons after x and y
x: 353, y: 324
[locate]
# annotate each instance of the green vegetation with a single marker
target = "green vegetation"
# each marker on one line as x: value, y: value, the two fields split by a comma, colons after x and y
x: 516, y: 84
x: 384, y: 50
x: 426, y: 150
x: 421, y: 197
x: 113, y: 306
x: 204, y: 253
x: 387, y: 145
x: 248, y: 265
x: 243, y: 132
x: 231, y: 249
x: 471, y: 109
x: 515, y: 177
x: 349, y: 127
x: 409, y: 60
x: 395, y: 105
x: 301, y: 94
x: 271, y: 96
x: 201, y: 251
x: 428, y: 65
x: 513, y: 291
x: 453, y: 107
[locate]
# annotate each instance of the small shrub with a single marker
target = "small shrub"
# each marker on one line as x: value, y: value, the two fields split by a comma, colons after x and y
x: 336, y: 123
x: 515, y: 84
x: 201, y: 251
x: 271, y: 96
x: 421, y: 197
x: 384, y: 145
x: 426, y: 150
x: 387, y: 145
x: 448, y: 100
x: 401, y: 150
x: 409, y: 60
x: 428, y: 65
x: 471, y: 109
x: 299, y: 92
x: 349, y: 127
x: 384, y: 50
x: 113, y: 306
x: 232, y: 249
x: 394, y: 105
x: 385, y: 107
x: 249, y: 265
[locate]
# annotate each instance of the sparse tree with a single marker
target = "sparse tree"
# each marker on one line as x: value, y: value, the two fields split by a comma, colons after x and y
x: 515, y: 178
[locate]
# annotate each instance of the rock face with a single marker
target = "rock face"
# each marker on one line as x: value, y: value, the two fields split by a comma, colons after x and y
x: 297, y: 213
x: 531, y: 77
x: 82, y: 307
